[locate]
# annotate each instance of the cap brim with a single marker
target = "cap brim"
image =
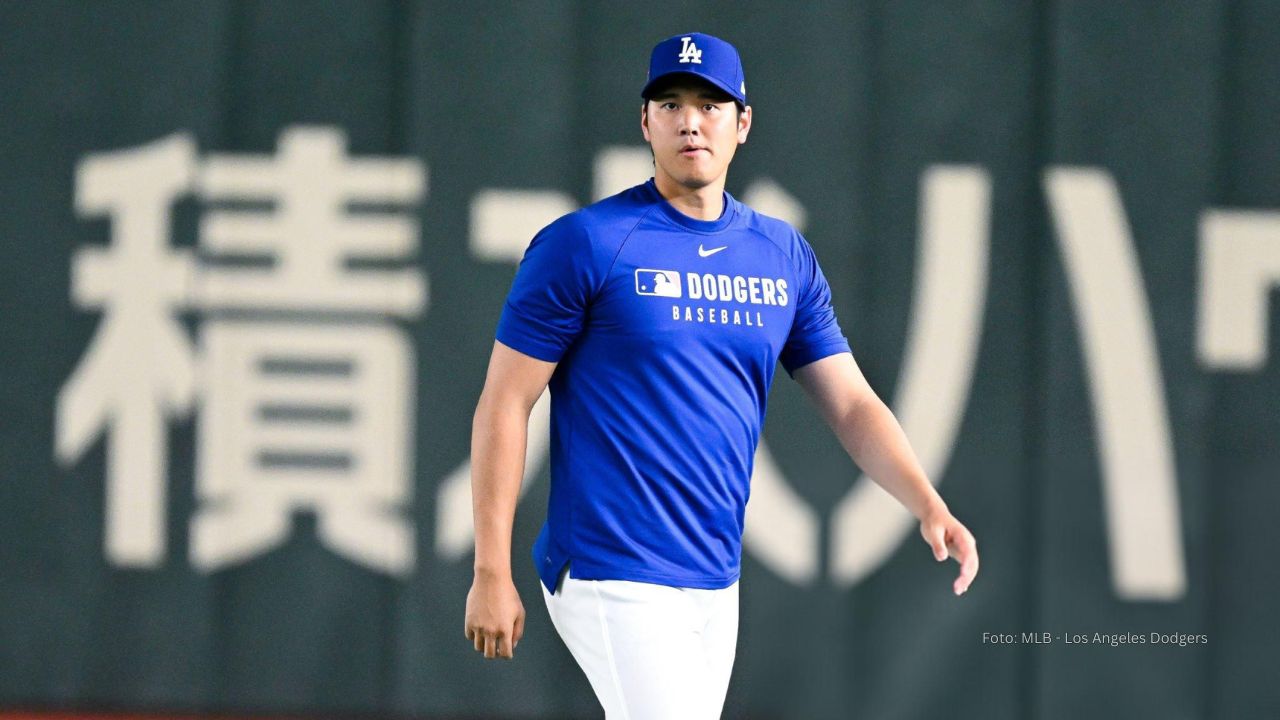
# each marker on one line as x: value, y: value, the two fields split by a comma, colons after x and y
x: 666, y: 78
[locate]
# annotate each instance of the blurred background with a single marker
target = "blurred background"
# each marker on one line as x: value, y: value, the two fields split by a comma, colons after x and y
x: 252, y: 255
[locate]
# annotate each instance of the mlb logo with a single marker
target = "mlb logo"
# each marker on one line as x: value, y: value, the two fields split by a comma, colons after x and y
x: 662, y: 283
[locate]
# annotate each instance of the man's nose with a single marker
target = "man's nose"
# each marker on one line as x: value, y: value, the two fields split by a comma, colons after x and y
x: 689, y: 121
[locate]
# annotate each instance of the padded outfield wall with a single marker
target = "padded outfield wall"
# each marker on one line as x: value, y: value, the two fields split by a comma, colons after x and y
x: 234, y: 459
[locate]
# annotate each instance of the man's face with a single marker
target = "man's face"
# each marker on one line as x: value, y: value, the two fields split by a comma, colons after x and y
x: 694, y: 129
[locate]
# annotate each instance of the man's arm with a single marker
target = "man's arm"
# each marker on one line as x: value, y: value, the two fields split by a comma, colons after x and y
x: 873, y: 438
x: 499, y: 438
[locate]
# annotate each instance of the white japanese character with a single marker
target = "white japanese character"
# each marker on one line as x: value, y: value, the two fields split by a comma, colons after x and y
x: 311, y: 233
x: 304, y: 416
x: 139, y: 366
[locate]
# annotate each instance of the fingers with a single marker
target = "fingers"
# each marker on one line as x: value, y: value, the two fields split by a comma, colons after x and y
x: 948, y: 537
x: 938, y: 540
x: 935, y: 534
x: 517, y: 632
x: 496, y: 644
x: 968, y: 570
x: 966, y: 551
x: 494, y: 620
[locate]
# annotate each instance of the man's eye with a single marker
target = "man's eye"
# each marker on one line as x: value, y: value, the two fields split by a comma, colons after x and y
x: 709, y: 107
x: 669, y: 105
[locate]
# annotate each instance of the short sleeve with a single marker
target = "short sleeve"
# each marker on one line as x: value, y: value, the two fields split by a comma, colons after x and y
x: 815, y: 332
x: 547, y: 305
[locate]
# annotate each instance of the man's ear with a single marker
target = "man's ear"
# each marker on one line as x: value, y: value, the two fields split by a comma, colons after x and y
x: 644, y: 120
x: 744, y: 124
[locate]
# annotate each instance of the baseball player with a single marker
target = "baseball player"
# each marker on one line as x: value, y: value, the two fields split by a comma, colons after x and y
x: 657, y: 316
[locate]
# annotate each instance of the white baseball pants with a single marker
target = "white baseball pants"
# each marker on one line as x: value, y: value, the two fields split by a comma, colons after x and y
x: 651, y: 652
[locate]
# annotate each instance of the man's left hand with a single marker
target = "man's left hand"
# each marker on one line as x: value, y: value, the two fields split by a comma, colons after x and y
x: 948, y: 537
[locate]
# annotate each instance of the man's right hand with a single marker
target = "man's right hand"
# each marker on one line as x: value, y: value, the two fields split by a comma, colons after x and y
x: 499, y: 442
x: 495, y: 615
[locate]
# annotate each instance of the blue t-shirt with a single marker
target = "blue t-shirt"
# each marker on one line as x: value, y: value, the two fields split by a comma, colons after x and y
x: 667, y: 331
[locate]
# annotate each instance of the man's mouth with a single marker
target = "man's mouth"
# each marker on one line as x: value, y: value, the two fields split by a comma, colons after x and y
x: 691, y: 150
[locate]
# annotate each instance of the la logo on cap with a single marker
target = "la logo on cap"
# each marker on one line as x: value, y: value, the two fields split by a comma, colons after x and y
x: 689, y: 52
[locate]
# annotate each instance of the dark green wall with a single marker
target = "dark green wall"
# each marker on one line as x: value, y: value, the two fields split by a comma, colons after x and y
x: 1178, y: 102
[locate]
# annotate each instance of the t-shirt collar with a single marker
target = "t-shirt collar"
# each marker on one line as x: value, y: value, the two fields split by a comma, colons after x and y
x: 727, y: 213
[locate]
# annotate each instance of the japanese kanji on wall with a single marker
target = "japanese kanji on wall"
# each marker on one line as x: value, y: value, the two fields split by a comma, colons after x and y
x: 244, y: 332
x: 302, y: 380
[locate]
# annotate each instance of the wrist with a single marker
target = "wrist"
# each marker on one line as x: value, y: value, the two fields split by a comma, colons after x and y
x: 934, y: 507
x: 492, y: 570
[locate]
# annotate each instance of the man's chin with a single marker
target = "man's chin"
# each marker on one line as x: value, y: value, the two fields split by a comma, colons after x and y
x: 694, y: 181
x: 692, y: 178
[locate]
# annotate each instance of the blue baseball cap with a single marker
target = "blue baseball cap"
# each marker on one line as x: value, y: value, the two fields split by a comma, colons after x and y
x: 702, y: 56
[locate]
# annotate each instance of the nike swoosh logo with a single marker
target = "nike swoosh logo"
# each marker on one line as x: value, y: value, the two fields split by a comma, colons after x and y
x: 709, y: 253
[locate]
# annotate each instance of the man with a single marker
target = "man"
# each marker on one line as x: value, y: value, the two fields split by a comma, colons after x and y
x: 658, y: 317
